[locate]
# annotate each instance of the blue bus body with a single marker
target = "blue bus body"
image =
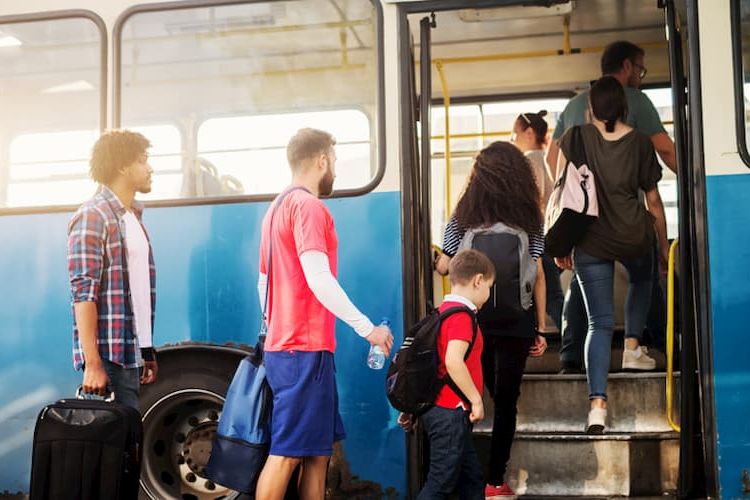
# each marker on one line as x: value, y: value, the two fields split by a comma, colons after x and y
x: 207, y: 269
x: 729, y: 251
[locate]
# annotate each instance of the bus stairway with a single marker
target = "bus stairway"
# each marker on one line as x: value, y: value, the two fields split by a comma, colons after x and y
x: 552, y: 456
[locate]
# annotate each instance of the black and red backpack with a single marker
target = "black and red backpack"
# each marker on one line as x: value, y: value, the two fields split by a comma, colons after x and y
x: 412, y: 383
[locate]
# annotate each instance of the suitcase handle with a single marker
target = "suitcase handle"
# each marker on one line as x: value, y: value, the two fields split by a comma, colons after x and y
x: 109, y: 399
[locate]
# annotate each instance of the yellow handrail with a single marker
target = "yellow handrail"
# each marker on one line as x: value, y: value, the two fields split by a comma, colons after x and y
x: 670, y: 336
x: 444, y: 279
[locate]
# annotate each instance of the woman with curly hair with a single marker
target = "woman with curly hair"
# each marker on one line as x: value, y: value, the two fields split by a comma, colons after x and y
x: 501, y: 188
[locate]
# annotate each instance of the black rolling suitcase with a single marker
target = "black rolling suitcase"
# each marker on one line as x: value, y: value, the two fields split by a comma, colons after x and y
x: 86, y: 450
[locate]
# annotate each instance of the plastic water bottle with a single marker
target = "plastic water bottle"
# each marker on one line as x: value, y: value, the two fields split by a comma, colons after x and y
x: 376, y: 356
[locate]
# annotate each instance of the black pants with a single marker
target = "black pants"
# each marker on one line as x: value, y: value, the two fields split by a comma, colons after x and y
x: 503, y: 362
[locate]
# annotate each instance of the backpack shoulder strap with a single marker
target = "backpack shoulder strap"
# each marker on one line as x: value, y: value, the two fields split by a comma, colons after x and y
x: 577, y: 147
x: 475, y: 328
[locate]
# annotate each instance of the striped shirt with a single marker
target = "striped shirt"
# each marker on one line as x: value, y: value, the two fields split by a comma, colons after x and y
x: 98, y: 272
x: 454, y: 234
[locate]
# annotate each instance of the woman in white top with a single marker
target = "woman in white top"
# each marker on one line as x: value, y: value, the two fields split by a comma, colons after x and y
x: 530, y: 135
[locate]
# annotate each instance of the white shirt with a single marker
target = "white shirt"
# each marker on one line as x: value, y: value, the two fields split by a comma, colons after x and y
x: 139, y: 278
x: 544, y: 182
x: 452, y: 297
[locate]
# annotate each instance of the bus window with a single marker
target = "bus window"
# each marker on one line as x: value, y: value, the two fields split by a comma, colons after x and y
x: 256, y: 162
x: 662, y: 100
x: 472, y: 127
x: 50, y: 169
x: 50, y: 93
x: 241, y: 79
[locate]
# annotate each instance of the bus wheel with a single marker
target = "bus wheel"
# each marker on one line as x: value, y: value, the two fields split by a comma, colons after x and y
x: 180, y: 415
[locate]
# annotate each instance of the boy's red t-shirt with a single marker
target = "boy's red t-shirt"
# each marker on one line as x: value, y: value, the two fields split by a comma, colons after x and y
x: 458, y: 326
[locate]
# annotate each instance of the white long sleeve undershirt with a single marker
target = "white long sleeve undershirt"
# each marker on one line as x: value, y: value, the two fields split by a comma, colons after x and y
x: 327, y: 290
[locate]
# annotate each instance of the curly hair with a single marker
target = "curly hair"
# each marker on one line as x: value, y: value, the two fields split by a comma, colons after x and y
x: 501, y: 188
x: 114, y: 150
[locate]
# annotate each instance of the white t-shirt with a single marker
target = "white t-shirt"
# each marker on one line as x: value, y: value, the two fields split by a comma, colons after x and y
x: 544, y: 182
x: 139, y: 278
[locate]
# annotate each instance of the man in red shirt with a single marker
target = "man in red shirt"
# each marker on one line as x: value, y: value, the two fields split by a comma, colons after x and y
x: 304, y: 298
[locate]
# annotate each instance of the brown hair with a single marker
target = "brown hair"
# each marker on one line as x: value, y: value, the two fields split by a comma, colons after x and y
x: 608, y: 102
x: 501, y: 188
x: 537, y: 123
x: 115, y: 150
x: 468, y: 263
x: 616, y: 53
x: 307, y: 143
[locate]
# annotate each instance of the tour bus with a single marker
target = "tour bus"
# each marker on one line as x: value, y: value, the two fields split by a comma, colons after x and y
x: 411, y: 90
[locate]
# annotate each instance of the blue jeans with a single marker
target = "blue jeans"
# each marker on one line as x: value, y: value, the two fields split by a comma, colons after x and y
x: 554, y: 290
x: 124, y: 382
x: 596, y: 277
x: 453, y: 459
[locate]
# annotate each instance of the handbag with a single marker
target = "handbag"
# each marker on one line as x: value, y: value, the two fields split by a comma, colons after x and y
x: 572, y: 206
x: 243, y: 437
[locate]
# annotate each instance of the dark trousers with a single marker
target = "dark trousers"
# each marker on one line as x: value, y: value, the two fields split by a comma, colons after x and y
x: 554, y: 290
x: 575, y: 325
x: 656, y: 323
x: 503, y: 362
x: 454, y: 463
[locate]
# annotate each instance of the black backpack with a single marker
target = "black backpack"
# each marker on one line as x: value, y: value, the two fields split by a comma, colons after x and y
x: 515, y: 272
x: 412, y: 383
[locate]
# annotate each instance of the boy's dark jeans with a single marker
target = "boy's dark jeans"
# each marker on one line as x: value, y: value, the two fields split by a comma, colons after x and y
x: 454, y: 464
x: 503, y: 362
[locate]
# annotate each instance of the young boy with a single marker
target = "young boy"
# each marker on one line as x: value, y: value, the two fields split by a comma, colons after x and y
x: 454, y: 463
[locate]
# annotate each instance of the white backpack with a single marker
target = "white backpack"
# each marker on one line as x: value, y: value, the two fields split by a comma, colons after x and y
x: 573, y: 206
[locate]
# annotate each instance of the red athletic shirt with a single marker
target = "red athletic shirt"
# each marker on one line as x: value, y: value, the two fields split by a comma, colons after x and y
x: 458, y: 327
x: 297, y: 320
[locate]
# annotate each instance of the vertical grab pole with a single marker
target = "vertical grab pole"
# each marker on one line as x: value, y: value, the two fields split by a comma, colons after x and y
x: 447, y: 134
x: 670, y: 336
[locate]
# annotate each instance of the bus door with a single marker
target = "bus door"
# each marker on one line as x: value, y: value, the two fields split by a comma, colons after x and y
x: 691, y: 479
x: 416, y: 185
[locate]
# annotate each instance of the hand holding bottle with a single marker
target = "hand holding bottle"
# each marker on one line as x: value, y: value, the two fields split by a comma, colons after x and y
x: 381, y: 341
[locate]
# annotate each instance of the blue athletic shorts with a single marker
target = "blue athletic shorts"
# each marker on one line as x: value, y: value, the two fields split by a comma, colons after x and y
x: 305, y: 421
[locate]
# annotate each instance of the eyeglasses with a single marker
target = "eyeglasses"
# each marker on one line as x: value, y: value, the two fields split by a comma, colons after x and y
x: 642, y: 69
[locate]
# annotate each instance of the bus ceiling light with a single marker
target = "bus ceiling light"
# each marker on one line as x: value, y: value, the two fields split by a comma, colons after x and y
x: 76, y: 86
x: 9, y: 41
x: 562, y: 8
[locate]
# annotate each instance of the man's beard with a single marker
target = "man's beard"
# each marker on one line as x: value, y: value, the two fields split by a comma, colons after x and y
x: 325, y: 186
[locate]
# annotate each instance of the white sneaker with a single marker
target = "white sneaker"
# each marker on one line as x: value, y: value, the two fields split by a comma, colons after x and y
x: 597, y: 419
x: 637, y: 359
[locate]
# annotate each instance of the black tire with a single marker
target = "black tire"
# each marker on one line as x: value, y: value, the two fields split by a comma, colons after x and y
x: 180, y: 413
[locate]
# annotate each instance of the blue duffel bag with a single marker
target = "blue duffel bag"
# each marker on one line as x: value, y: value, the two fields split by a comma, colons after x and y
x: 243, y: 438
x: 240, y: 447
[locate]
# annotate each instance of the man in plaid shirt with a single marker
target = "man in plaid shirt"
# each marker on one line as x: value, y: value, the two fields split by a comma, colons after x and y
x: 111, y: 270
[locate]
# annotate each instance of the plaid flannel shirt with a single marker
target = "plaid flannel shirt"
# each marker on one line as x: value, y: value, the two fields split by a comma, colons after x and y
x: 98, y: 271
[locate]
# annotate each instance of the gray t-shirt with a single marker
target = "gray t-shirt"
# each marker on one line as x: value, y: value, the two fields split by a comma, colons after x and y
x: 642, y: 114
x: 624, y: 228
